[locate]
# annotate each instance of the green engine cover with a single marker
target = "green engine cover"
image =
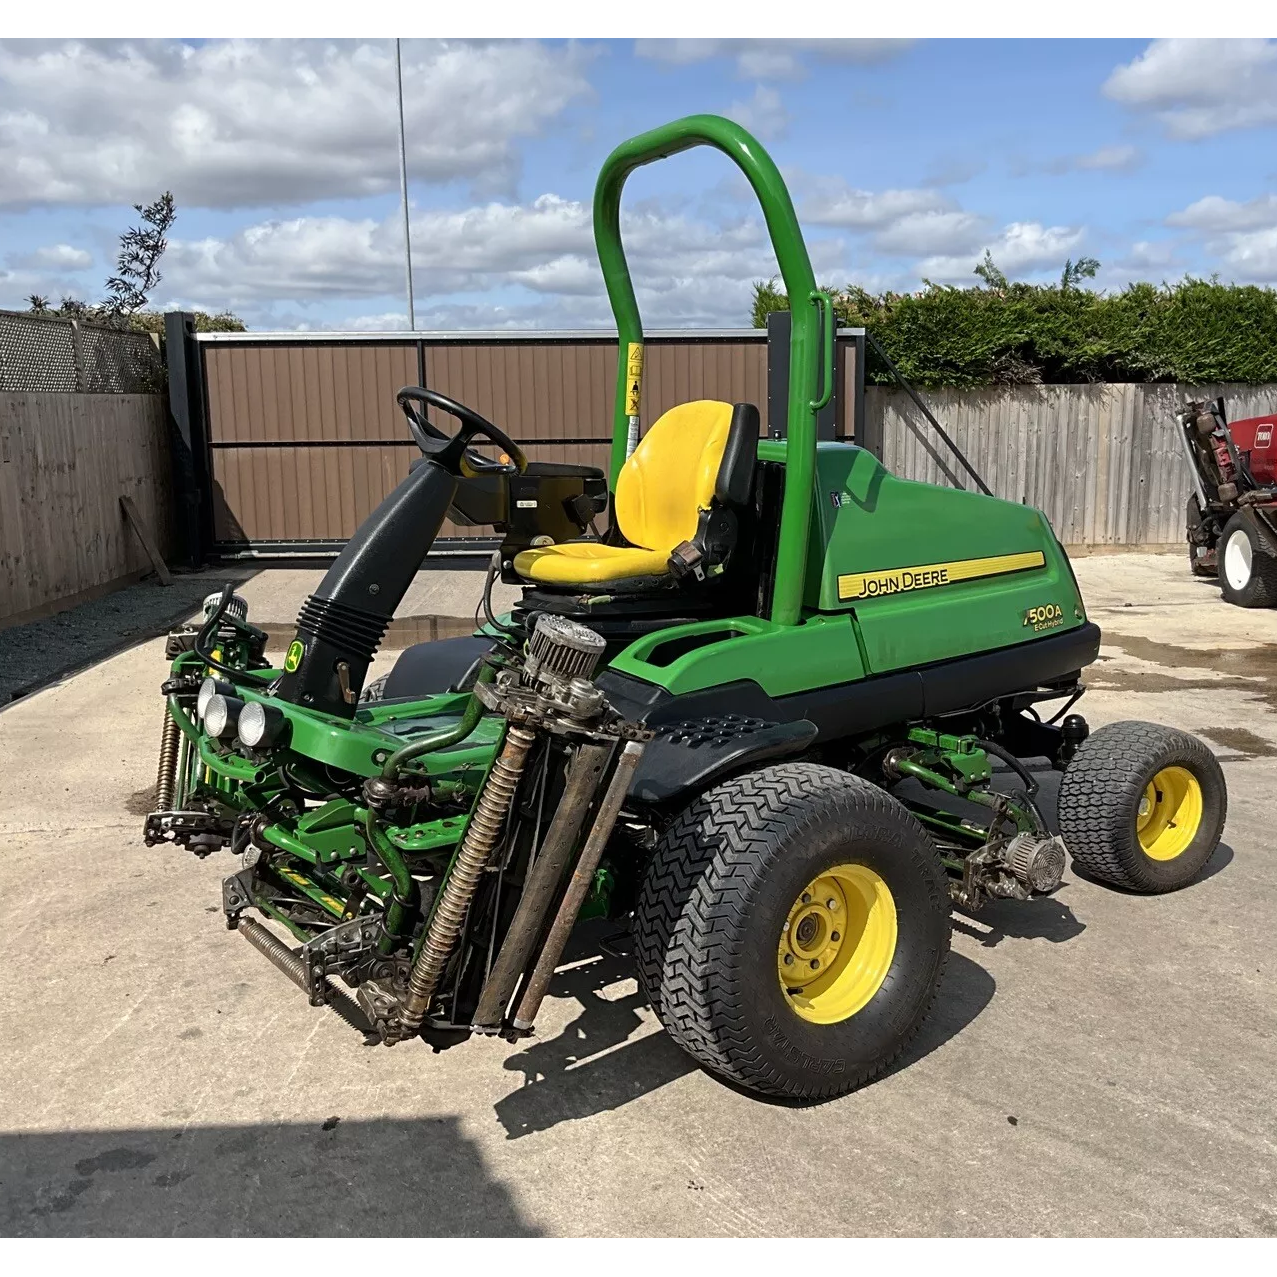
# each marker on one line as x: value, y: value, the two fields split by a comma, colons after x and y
x: 898, y: 574
x: 930, y: 573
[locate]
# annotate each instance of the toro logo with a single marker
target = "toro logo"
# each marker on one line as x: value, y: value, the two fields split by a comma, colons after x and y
x: 1264, y: 435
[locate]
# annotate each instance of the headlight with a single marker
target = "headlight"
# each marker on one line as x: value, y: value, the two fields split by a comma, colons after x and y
x: 209, y: 688
x: 261, y: 725
x: 221, y: 717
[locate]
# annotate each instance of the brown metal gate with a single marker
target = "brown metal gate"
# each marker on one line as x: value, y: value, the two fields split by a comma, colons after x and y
x: 303, y: 437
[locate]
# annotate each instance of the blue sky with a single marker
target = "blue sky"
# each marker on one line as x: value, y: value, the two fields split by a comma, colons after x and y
x: 906, y: 159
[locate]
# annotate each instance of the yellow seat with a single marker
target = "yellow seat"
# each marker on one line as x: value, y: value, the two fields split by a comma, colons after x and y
x: 660, y: 493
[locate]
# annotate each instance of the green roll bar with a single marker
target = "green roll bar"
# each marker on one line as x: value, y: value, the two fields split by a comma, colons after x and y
x: 808, y: 390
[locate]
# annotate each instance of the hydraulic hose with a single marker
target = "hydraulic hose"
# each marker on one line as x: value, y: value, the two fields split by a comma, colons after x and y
x: 494, y: 566
x: 444, y: 737
x: 1030, y: 784
x: 403, y: 897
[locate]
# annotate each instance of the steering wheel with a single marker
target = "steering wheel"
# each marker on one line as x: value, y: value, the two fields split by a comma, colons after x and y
x: 453, y: 452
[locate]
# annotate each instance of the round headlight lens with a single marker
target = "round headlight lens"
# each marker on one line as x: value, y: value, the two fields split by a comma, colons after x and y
x: 252, y: 723
x: 261, y: 724
x: 209, y: 688
x: 222, y: 715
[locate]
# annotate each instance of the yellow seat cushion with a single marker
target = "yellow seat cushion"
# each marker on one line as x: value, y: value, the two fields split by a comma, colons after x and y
x: 661, y: 490
x: 588, y: 563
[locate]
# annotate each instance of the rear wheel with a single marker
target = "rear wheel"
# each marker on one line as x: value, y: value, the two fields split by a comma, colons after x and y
x: 792, y: 928
x: 1247, y: 572
x: 1142, y: 806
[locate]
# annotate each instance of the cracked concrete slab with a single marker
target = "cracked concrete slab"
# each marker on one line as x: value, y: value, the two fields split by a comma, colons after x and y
x: 1097, y: 1063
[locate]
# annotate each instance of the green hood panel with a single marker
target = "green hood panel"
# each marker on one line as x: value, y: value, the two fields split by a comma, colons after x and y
x: 922, y: 573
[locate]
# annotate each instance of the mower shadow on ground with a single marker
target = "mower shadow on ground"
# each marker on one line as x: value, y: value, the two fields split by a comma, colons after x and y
x: 1042, y: 918
x: 967, y: 988
x: 595, y: 1063
x: 334, y: 1177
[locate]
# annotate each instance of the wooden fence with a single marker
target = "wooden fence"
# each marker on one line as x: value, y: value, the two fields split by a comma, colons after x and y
x: 1102, y: 461
x: 66, y: 459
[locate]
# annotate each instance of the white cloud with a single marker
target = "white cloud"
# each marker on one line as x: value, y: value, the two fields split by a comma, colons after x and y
x: 934, y: 232
x: 764, y: 114
x: 952, y: 171
x: 1117, y: 158
x: 1021, y: 248
x: 245, y: 123
x: 46, y: 272
x: 1252, y: 255
x: 55, y: 257
x: 1214, y: 213
x: 1147, y: 256
x: 1198, y: 88
x: 686, y: 271
x: 770, y: 59
x: 1114, y: 158
x: 909, y: 222
x: 832, y: 202
x: 1242, y: 235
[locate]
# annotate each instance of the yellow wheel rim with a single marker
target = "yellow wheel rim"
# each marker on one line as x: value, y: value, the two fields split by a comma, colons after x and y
x: 1169, y: 814
x: 837, y: 944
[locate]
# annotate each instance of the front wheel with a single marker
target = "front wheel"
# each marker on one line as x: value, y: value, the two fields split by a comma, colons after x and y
x: 792, y: 929
x: 1247, y: 572
x: 1142, y: 806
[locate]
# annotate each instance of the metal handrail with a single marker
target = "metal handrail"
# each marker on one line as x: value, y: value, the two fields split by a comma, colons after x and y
x: 795, y: 268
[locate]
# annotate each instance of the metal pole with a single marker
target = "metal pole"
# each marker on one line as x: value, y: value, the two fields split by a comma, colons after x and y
x: 403, y: 190
x: 926, y: 412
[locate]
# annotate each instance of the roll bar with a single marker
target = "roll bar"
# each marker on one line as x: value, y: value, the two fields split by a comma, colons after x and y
x: 809, y: 356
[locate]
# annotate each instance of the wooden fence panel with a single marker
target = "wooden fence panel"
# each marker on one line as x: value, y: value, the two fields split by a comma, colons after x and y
x: 1102, y: 461
x: 65, y: 461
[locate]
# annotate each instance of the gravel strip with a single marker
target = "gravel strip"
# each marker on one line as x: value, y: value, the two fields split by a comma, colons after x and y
x: 40, y: 652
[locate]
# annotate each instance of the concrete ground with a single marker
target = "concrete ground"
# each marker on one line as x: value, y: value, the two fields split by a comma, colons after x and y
x: 1098, y: 1063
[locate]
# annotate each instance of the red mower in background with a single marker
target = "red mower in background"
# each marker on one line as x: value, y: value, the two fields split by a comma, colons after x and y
x: 1232, y: 515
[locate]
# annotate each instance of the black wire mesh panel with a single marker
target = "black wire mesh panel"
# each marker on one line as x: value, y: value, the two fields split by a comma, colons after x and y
x: 36, y: 354
x: 47, y: 354
x: 115, y: 363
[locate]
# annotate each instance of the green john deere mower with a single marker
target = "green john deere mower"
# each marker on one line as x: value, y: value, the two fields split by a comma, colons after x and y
x: 694, y: 723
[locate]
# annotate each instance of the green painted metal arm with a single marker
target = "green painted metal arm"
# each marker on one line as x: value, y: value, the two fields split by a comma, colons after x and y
x: 804, y: 349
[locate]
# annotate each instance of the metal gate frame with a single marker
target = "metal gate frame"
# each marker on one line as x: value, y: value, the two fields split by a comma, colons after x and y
x: 195, y: 450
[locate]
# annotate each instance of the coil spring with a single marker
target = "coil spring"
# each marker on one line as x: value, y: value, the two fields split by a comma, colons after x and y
x: 476, y: 849
x: 166, y: 774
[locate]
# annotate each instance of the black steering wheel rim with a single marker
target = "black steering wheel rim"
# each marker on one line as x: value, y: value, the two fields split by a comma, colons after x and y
x: 453, y: 452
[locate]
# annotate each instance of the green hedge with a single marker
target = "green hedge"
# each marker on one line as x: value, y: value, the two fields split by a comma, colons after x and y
x: 1194, y: 331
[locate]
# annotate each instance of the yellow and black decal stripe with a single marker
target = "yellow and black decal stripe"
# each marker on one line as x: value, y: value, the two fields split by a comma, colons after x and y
x: 872, y: 585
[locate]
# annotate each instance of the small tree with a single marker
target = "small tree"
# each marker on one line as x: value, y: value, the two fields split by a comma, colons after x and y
x: 73, y: 308
x: 1076, y: 271
x: 989, y: 272
x: 138, y: 264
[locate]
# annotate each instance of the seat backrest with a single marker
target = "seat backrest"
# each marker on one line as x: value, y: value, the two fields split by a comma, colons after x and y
x: 689, y: 455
